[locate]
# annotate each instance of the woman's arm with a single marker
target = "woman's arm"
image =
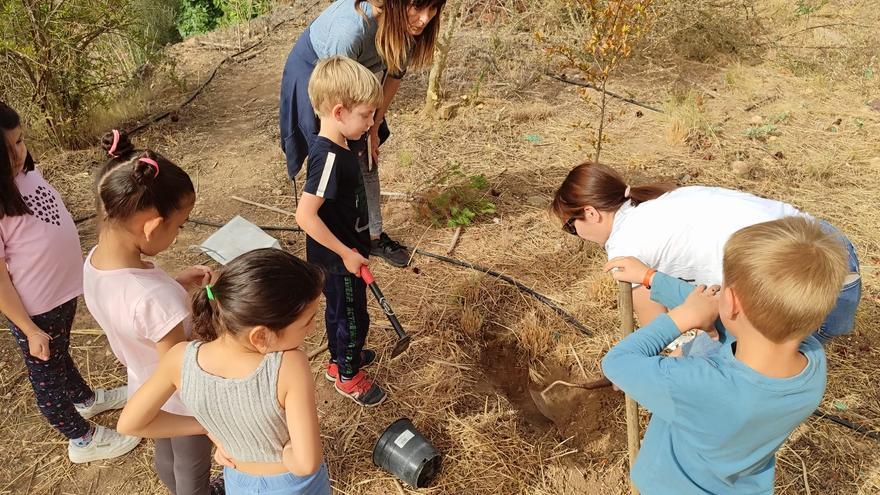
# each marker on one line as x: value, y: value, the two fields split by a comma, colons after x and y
x: 305, y: 456
x: 389, y: 90
x: 13, y: 308
x: 143, y: 415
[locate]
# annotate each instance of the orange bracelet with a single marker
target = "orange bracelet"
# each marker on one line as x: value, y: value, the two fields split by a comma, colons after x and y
x: 647, y: 280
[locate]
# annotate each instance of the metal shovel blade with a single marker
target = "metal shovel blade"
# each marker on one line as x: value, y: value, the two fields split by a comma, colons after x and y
x: 542, y: 401
x: 401, y: 346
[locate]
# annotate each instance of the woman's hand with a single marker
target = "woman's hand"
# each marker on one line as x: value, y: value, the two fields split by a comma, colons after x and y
x: 374, y: 145
x: 626, y: 269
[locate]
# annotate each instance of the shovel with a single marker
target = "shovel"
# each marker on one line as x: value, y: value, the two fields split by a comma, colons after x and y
x: 542, y: 401
x: 402, y: 338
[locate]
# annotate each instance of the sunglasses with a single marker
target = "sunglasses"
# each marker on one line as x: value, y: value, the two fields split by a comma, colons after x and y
x: 569, y: 227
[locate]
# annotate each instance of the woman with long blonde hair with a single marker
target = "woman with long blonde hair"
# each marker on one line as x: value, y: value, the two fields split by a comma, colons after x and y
x: 385, y: 36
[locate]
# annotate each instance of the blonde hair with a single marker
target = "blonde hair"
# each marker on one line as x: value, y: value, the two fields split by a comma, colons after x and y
x: 341, y: 80
x: 787, y: 274
x: 398, y: 49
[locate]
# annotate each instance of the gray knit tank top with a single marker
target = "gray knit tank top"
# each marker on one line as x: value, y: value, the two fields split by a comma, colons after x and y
x: 242, y: 413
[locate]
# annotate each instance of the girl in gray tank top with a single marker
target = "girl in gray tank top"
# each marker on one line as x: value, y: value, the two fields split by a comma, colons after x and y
x: 245, y: 381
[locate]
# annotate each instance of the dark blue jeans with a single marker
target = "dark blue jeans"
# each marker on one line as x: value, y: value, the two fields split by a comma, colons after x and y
x: 347, y: 321
x: 57, y: 383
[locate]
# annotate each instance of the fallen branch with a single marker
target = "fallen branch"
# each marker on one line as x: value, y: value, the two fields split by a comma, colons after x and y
x: 454, y: 241
x: 221, y: 46
x: 315, y: 352
x: 261, y: 205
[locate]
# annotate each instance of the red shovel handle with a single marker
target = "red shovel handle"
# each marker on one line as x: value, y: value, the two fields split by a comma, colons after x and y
x: 366, y: 274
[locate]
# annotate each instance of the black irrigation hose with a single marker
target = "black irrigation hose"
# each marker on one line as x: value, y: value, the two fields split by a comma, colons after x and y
x: 571, y: 320
x: 868, y: 432
x: 264, y: 227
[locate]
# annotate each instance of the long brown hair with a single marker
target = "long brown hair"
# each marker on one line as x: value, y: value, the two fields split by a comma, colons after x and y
x: 11, y: 202
x: 265, y: 286
x: 603, y: 188
x: 397, y: 48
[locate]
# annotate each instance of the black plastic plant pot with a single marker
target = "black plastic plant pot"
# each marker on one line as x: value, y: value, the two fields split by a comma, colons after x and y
x: 405, y: 453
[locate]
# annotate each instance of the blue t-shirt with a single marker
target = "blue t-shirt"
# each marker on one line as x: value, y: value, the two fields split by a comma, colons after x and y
x: 335, y: 175
x: 716, y: 423
x: 342, y: 30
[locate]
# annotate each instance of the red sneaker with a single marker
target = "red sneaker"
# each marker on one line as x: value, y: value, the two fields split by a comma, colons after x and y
x: 361, y: 390
x: 332, y: 372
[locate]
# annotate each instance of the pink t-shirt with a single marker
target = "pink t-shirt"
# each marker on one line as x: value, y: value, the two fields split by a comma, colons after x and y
x: 137, y: 307
x: 42, y: 251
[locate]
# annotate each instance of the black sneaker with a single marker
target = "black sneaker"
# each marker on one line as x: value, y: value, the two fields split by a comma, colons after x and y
x: 392, y: 251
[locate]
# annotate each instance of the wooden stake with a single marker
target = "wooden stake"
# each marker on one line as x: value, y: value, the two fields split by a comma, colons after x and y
x: 627, y: 325
x: 261, y: 205
x: 454, y: 241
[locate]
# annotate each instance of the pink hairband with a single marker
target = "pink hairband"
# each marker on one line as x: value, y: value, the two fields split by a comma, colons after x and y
x: 112, y: 150
x: 626, y: 193
x: 151, y: 162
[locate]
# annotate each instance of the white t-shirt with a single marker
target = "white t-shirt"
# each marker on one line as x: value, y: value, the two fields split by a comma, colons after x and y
x: 137, y: 308
x: 683, y: 232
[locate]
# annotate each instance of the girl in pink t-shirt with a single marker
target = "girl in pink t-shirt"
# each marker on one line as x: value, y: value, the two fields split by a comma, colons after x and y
x: 40, y: 280
x: 144, y: 200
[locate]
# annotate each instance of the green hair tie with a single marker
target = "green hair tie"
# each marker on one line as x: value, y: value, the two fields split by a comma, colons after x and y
x: 210, y: 292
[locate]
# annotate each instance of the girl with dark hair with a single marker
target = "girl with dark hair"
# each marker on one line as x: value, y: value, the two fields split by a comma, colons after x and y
x: 40, y: 280
x: 386, y: 37
x: 680, y: 232
x: 246, y: 381
x: 143, y: 201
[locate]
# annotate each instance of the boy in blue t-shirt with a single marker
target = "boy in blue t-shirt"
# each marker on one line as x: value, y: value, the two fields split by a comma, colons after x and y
x: 719, y: 419
x: 333, y: 212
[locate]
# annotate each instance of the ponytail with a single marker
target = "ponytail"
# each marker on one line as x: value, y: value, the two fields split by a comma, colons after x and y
x: 204, y: 324
x: 603, y: 188
x: 267, y: 287
x: 134, y: 180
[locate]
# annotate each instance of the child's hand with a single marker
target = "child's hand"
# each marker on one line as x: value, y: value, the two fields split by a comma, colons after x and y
x: 626, y: 269
x: 194, y: 276
x: 699, y: 310
x: 220, y: 455
x: 353, y: 262
x: 38, y: 344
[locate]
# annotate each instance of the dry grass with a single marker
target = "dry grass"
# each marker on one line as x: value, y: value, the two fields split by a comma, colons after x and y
x: 464, y: 380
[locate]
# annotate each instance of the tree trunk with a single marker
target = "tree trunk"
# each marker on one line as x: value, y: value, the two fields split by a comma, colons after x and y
x: 601, y: 123
x: 453, y: 20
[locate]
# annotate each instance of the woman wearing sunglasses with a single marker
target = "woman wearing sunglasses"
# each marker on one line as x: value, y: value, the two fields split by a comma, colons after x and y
x: 678, y: 231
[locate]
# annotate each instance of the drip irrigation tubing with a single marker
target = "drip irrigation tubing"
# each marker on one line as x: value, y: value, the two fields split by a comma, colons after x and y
x: 868, y: 432
x: 571, y: 320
